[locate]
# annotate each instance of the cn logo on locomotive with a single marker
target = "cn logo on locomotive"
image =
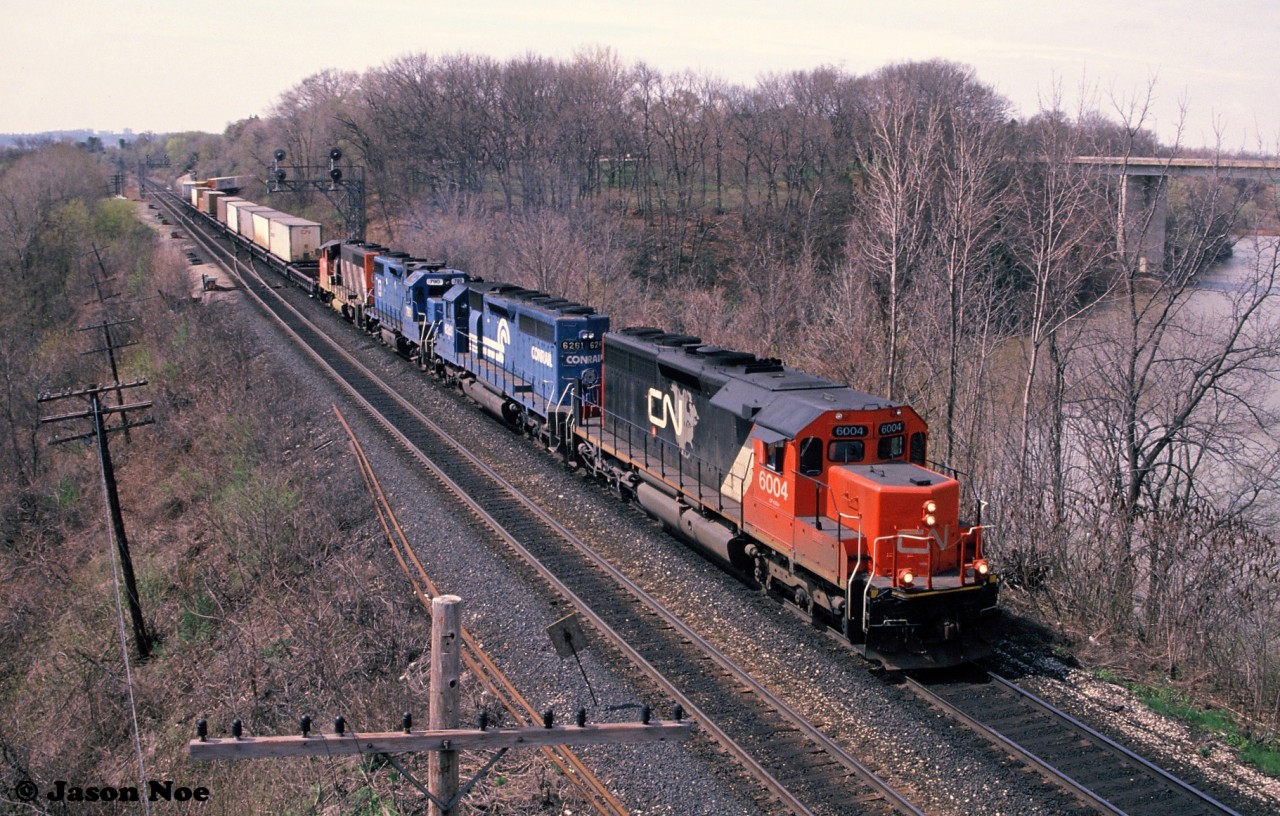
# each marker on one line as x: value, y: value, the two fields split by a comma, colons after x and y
x: 676, y: 410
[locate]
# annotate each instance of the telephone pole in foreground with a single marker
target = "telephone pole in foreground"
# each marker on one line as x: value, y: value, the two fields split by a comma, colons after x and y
x: 99, y: 412
x: 444, y: 739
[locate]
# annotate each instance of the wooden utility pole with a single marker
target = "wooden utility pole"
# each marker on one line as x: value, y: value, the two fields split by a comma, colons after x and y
x: 444, y: 739
x: 445, y: 697
x: 98, y: 413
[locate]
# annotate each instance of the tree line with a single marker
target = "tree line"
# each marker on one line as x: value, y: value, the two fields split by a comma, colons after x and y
x: 902, y: 231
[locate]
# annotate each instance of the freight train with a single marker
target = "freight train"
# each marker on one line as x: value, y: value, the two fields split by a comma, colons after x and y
x: 810, y: 489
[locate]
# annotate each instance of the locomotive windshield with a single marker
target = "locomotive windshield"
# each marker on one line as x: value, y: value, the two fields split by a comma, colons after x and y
x: 890, y: 447
x: 846, y: 450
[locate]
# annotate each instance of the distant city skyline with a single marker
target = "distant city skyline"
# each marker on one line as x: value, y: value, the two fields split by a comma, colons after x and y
x: 165, y: 66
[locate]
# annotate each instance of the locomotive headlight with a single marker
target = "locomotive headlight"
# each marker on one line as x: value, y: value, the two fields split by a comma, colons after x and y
x: 906, y: 578
x: 930, y: 520
x: 931, y: 506
x: 981, y: 566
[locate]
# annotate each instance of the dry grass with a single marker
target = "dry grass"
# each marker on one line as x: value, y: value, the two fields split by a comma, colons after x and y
x: 261, y: 575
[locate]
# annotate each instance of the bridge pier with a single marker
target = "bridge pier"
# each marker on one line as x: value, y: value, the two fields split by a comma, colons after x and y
x: 1144, y: 195
x: 1140, y: 234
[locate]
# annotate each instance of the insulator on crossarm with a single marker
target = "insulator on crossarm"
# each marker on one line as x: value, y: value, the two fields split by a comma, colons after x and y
x: 677, y: 712
x: 305, y: 722
x: 646, y: 714
x: 482, y: 722
x: 202, y: 729
x: 339, y: 725
x: 237, y: 728
x: 548, y: 717
x: 582, y: 718
x: 407, y: 722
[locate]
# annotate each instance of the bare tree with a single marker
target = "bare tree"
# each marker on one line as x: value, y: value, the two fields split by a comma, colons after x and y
x: 899, y: 155
x: 1060, y: 241
x: 1175, y: 373
x: 969, y: 205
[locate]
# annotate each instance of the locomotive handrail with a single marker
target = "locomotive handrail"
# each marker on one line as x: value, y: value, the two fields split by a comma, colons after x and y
x: 853, y: 571
x: 928, y: 547
x: 819, y: 507
x: 929, y: 541
x: 654, y: 447
x: 559, y: 405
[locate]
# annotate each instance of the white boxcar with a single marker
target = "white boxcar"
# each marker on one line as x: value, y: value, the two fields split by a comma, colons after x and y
x: 294, y: 239
x: 262, y: 226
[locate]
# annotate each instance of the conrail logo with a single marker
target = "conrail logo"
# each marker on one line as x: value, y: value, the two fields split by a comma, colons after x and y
x: 496, y: 350
x: 676, y: 410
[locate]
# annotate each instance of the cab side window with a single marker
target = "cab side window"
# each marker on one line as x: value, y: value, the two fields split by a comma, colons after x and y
x: 917, y: 448
x: 775, y: 455
x: 811, y: 456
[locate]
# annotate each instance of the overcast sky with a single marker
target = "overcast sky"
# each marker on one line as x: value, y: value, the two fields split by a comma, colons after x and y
x: 190, y: 65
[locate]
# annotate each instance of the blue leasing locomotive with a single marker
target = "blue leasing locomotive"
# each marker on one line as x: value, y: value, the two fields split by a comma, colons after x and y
x: 407, y: 301
x: 519, y: 353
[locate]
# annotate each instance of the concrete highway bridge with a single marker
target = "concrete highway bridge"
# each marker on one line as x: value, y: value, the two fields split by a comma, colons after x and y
x: 1144, y: 194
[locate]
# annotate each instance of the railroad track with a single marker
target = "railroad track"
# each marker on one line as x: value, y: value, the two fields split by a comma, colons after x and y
x: 797, y: 767
x: 1099, y: 771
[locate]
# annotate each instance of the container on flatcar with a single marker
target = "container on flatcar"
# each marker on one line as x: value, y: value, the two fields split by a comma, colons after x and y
x: 224, y: 204
x: 187, y: 186
x: 240, y: 217
x: 262, y: 226
x: 225, y: 184
x: 294, y: 239
x: 209, y: 201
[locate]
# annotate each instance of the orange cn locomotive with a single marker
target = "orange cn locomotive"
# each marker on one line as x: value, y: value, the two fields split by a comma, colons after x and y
x: 817, y: 490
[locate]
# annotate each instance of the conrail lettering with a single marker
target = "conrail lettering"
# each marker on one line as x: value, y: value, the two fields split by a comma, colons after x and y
x: 541, y: 356
x: 582, y: 359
